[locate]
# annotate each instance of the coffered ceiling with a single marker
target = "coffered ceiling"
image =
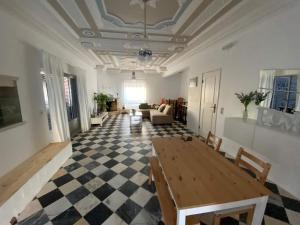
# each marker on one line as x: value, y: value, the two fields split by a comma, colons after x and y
x: 109, y: 33
x: 113, y: 29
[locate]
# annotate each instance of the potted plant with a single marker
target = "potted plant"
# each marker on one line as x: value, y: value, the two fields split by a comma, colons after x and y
x: 101, y: 100
x: 246, y: 99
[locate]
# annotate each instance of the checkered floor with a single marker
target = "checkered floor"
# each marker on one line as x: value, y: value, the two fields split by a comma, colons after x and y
x: 105, y: 182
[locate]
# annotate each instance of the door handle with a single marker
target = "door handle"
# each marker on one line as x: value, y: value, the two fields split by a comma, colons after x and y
x: 214, y: 107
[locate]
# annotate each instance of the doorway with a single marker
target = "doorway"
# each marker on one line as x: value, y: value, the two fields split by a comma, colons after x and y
x: 209, y: 102
x: 72, y: 104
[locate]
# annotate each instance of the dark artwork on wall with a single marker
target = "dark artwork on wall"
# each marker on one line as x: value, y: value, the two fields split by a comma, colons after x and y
x: 10, y: 110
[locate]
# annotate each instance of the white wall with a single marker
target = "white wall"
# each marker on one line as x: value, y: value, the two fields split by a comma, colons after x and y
x: 20, y: 47
x: 272, y: 43
x: 157, y: 86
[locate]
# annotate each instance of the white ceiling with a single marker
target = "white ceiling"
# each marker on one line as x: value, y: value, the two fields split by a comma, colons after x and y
x: 111, y: 31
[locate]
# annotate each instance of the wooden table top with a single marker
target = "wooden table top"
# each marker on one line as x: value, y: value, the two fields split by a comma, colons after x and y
x: 199, y: 176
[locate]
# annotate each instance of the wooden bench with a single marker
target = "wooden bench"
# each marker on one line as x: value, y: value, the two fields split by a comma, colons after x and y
x: 16, y: 186
x: 166, y: 203
x: 99, y: 120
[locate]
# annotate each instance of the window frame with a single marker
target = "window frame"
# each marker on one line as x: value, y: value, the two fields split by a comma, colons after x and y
x: 287, y: 93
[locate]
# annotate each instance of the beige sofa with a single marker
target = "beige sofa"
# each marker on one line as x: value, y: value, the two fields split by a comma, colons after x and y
x: 164, y: 117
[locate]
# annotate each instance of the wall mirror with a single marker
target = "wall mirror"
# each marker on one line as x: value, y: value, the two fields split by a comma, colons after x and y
x: 283, y: 86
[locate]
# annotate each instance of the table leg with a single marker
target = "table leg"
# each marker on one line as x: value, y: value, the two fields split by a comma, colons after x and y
x: 259, y: 211
x: 153, y: 151
x: 180, y: 217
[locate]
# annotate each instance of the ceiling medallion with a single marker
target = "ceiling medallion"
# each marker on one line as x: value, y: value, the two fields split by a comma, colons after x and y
x: 88, y: 33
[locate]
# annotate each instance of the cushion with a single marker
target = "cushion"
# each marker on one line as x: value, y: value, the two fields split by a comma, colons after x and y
x: 144, y: 106
x: 161, y: 107
x: 167, y: 110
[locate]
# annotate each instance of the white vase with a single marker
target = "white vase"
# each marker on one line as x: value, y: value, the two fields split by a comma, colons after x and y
x: 245, y: 115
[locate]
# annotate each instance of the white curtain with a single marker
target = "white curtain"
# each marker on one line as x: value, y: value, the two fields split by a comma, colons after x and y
x: 54, y: 77
x: 134, y: 93
x: 266, y: 84
x: 83, y: 102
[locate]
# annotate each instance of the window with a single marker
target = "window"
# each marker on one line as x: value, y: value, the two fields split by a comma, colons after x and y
x: 284, y: 95
x: 71, y: 97
x: 134, y: 93
x: 45, y: 91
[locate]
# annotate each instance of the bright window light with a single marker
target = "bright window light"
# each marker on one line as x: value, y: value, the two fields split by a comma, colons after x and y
x: 134, y: 93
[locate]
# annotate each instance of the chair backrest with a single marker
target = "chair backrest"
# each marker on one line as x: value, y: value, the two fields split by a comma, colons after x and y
x: 180, y: 100
x: 213, y: 141
x: 261, y: 170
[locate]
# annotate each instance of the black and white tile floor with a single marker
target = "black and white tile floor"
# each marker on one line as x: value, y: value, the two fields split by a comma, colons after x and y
x: 105, y: 182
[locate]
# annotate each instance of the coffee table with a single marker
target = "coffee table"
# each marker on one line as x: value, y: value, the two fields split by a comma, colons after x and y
x: 136, y: 119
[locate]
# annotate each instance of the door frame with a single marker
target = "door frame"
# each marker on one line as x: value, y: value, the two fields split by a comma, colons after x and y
x: 217, y: 98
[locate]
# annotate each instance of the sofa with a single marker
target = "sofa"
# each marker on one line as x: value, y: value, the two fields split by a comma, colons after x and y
x: 145, y: 110
x: 163, y: 115
x: 145, y: 113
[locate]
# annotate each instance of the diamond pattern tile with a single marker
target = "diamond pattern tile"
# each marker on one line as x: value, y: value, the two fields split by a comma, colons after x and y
x: 105, y: 182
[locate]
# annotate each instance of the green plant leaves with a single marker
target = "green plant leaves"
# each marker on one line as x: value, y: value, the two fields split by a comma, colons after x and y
x: 255, y: 96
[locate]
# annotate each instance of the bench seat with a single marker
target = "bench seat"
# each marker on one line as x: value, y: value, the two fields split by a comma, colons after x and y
x: 19, y: 186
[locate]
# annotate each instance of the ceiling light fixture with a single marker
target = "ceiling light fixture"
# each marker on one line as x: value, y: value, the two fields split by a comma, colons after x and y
x: 133, y: 76
x: 145, y: 54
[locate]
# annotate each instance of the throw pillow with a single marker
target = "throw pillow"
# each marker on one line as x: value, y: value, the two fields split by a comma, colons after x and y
x: 167, y: 110
x: 161, y: 107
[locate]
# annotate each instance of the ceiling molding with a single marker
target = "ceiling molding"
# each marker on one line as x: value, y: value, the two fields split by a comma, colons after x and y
x: 60, y: 10
x: 125, y: 41
x: 216, y: 17
x: 204, y: 4
x: 116, y: 20
x: 60, y: 19
x: 210, y: 38
x: 96, y: 57
x: 86, y: 13
x: 13, y: 8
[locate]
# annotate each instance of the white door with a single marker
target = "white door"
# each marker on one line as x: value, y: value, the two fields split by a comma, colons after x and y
x: 209, y: 102
x: 194, y: 99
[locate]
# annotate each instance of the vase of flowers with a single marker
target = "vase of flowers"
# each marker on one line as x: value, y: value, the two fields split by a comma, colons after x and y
x: 260, y: 97
x: 246, y: 99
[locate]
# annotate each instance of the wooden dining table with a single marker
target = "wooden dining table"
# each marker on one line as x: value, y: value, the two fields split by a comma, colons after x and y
x: 200, y: 180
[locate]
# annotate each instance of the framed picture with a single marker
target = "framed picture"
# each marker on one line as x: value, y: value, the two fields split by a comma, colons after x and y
x: 193, y: 82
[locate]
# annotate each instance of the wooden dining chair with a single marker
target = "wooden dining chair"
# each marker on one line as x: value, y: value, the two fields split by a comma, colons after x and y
x: 255, y: 167
x: 213, y: 141
x: 262, y: 174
